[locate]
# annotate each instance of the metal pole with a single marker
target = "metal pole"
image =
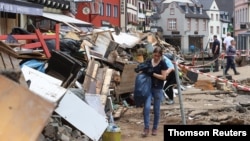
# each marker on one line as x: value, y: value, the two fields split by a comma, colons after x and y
x: 224, y: 67
x: 126, y: 16
x: 179, y: 91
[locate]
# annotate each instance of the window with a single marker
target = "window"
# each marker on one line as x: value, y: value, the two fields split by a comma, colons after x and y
x: 172, y: 24
x: 212, y: 17
x: 204, y: 25
x: 101, y: 9
x: 188, y: 24
x: 211, y: 29
x: 115, y: 14
x: 195, y: 10
x: 217, y: 17
x: 224, y: 30
x: 197, y: 24
x: 108, y: 10
x: 218, y: 29
x: 186, y: 8
x: 129, y: 18
x: 171, y: 11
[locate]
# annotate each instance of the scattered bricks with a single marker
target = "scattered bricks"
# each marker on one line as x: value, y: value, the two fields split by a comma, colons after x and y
x: 64, y: 130
x: 220, y: 85
x: 234, y: 121
x: 76, y: 134
x: 83, y: 138
x: 64, y: 137
x: 241, y: 109
x: 50, y: 132
x: 69, y: 129
x: 198, y: 112
x: 233, y: 94
x: 224, y: 117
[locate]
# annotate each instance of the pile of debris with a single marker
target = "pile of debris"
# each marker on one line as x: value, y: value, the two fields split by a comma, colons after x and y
x: 72, y: 93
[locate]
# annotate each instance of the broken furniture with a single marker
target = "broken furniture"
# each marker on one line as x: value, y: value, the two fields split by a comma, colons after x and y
x: 82, y: 116
x: 7, y: 50
x: 63, y: 67
x: 41, y: 40
x: 50, y: 88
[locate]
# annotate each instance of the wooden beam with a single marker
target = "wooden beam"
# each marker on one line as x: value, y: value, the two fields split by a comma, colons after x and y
x: 106, y: 85
x: 28, y: 37
x: 57, y: 38
x: 44, y: 46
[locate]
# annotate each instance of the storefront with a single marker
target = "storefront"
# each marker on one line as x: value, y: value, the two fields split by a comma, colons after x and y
x: 12, y: 14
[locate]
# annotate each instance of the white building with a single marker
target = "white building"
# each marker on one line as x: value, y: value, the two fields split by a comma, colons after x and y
x: 214, y: 24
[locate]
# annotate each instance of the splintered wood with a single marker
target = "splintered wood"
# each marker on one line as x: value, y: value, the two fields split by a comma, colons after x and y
x: 97, y: 80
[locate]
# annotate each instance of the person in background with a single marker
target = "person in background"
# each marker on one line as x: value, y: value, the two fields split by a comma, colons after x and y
x: 158, y: 77
x: 227, y: 41
x: 216, y: 53
x: 231, y: 52
x: 170, y: 80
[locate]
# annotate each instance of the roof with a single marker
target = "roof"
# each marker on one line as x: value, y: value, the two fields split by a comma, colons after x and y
x: 206, y: 3
x: 226, y: 5
x: 183, y: 1
x: 64, y: 19
x: 191, y: 13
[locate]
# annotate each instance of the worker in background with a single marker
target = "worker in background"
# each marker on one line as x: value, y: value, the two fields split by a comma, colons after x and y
x: 216, y: 53
x: 170, y: 81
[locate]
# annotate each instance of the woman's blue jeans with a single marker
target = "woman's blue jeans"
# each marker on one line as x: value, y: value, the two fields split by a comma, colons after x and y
x: 156, y: 95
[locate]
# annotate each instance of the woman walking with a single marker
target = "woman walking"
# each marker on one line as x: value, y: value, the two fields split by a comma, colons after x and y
x: 158, y: 76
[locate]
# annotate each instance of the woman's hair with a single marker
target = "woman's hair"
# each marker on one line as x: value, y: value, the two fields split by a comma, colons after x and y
x: 158, y: 49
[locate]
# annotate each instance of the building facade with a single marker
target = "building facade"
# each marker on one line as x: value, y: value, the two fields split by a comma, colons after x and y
x: 226, y: 8
x: 100, y: 12
x: 14, y: 13
x: 184, y: 24
x: 242, y: 24
x: 214, y: 24
x: 241, y: 19
x: 144, y: 12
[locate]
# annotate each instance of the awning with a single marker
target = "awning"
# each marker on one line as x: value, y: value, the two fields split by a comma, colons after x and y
x: 64, y: 19
x: 21, y: 7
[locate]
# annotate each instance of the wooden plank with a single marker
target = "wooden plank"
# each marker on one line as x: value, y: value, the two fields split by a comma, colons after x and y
x: 87, y: 50
x: 112, y: 46
x: 75, y: 28
x: 99, y: 80
x: 87, y: 79
x: 9, y: 51
x: 127, y: 83
x: 106, y: 84
x: 28, y: 37
x: 44, y: 45
x: 92, y: 88
x: 119, y: 112
x: 102, y: 42
x: 94, y: 37
x: 24, y: 114
x: 57, y: 38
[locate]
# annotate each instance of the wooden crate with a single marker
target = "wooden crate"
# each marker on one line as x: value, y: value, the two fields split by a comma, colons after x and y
x: 127, y: 83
